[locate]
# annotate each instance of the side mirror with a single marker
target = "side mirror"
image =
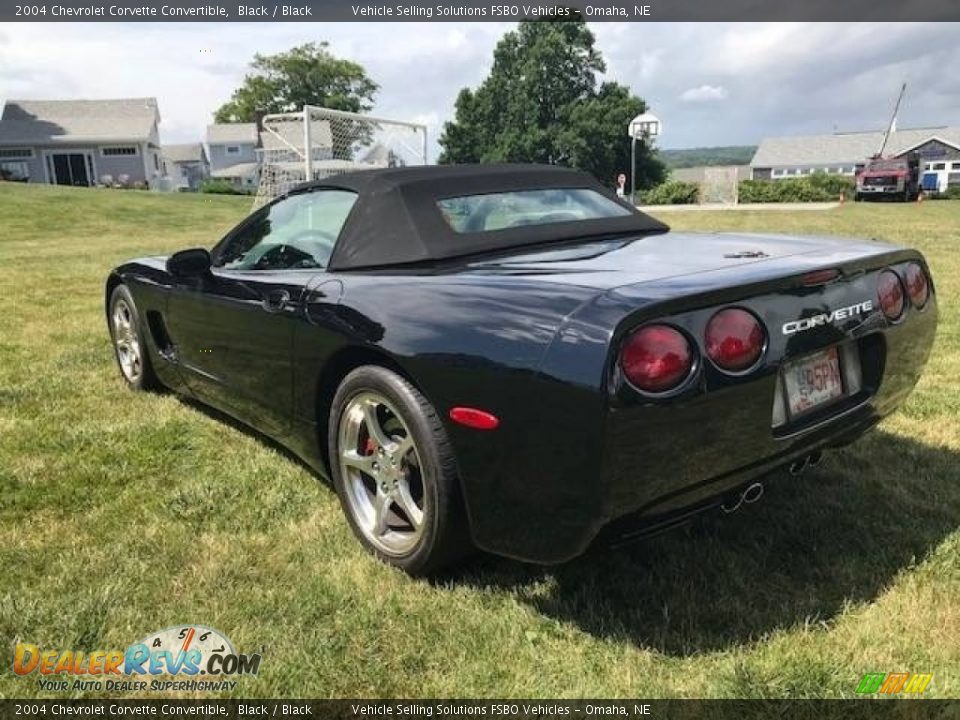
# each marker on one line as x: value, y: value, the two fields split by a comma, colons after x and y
x: 191, y: 263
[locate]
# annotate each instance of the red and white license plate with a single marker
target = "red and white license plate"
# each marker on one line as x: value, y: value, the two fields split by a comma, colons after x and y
x: 813, y: 381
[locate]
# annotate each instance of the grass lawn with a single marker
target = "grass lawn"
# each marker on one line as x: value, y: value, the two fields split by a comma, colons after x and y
x: 124, y: 513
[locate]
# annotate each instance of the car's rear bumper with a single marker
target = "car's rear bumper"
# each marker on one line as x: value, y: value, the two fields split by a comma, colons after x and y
x: 641, y: 465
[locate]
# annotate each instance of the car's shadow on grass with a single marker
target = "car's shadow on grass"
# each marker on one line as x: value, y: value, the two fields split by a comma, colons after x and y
x: 837, y: 535
x: 240, y: 426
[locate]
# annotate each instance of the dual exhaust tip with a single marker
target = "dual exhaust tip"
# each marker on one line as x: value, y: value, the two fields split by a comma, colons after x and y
x: 754, y: 491
x: 812, y: 460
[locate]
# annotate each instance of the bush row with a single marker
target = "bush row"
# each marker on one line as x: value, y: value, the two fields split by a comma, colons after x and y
x: 220, y: 187
x: 819, y: 187
x: 950, y: 194
x: 672, y: 192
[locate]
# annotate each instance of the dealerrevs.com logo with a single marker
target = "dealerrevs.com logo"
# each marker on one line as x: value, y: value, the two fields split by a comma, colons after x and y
x: 179, y: 658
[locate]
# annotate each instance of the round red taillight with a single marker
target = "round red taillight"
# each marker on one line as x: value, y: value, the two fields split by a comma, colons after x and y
x: 890, y: 293
x: 734, y: 339
x: 917, y: 286
x: 656, y: 358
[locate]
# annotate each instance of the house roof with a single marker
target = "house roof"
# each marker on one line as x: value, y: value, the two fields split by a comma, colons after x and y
x: 239, y: 133
x: 239, y: 170
x: 855, y: 147
x: 189, y: 152
x: 30, y: 122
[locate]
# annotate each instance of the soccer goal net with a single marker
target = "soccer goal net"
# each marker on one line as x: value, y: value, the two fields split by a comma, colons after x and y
x: 316, y: 143
x: 720, y: 185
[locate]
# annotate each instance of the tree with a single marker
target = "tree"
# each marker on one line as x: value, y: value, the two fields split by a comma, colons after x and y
x: 542, y: 103
x: 304, y: 75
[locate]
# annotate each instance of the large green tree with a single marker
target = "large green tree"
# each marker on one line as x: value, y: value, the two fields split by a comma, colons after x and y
x: 304, y: 75
x: 542, y: 103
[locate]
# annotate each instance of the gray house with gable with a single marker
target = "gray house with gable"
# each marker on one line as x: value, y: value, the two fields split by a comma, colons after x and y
x: 186, y: 166
x: 81, y: 142
x: 233, y: 154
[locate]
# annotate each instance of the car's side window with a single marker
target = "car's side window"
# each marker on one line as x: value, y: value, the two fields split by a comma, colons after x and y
x: 296, y: 233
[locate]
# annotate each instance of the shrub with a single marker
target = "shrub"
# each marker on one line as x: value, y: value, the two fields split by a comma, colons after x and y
x: 952, y: 193
x: 819, y: 187
x: 220, y: 187
x: 673, y: 192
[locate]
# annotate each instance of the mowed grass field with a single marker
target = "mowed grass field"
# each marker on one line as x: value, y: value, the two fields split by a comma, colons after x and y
x: 125, y: 513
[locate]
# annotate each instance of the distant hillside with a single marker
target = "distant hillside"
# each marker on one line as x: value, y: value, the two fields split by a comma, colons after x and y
x: 695, y: 157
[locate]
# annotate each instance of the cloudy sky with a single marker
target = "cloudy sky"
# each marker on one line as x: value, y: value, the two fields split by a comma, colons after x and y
x: 711, y: 84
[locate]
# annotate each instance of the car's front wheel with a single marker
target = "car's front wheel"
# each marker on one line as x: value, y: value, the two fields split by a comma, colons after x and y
x: 394, y: 471
x: 128, y: 342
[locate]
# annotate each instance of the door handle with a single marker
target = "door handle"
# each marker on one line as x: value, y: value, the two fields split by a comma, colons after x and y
x: 276, y: 300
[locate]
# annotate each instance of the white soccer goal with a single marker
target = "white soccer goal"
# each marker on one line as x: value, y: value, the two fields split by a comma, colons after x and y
x: 720, y: 185
x: 338, y: 142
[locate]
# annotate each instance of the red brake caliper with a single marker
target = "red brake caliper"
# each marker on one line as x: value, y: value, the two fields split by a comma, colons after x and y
x: 370, y: 447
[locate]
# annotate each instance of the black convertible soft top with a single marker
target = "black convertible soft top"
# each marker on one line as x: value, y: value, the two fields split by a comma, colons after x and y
x: 396, y: 220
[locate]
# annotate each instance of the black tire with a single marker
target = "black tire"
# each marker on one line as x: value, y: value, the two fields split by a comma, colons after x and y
x: 145, y: 379
x: 443, y: 536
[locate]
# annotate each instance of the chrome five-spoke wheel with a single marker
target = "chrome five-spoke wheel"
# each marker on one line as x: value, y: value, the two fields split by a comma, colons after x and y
x: 126, y: 340
x: 382, y: 474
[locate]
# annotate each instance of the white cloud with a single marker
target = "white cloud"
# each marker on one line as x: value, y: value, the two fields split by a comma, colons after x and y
x: 704, y: 93
x: 788, y: 78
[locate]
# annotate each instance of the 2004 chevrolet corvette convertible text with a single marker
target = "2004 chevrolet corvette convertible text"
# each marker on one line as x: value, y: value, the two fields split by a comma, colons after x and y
x: 511, y: 358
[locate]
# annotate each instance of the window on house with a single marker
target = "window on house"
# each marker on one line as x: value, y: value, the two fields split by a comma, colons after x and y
x: 939, y: 166
x: 156, y: 162
x: 16, y: 152
x: 955, y: 166
x: 15, y: 171
x: 118, y: 150
x: 233, y: 150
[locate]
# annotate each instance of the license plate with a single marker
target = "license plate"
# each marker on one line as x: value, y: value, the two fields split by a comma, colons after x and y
x: 813, y: 381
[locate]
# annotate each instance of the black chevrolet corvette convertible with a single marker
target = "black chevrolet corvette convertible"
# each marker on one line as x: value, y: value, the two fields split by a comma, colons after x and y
x: 512, y: 358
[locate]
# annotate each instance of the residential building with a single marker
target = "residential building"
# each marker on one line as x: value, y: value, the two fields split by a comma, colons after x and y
x: 81, y: 142
x: 846, y: 153
x: 233, y: 154
x: 186, y: 166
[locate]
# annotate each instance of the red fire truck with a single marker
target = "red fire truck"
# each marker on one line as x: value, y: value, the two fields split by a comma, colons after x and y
x: 890, y: 178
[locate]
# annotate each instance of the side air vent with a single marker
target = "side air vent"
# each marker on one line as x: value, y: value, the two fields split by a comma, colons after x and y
x: 158, y: 332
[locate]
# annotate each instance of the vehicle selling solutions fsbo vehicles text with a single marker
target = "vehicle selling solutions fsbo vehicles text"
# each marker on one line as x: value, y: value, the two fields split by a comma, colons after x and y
x: 494, y: 11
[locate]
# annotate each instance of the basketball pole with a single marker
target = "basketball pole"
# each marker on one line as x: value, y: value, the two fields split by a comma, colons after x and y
x: 633, y: 170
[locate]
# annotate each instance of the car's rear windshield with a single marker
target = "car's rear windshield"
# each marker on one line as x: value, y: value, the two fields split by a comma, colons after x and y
x: 498, y: 211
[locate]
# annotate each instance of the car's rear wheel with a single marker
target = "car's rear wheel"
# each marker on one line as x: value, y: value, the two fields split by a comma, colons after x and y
x: 394, y: 471
x: 128, y: 343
